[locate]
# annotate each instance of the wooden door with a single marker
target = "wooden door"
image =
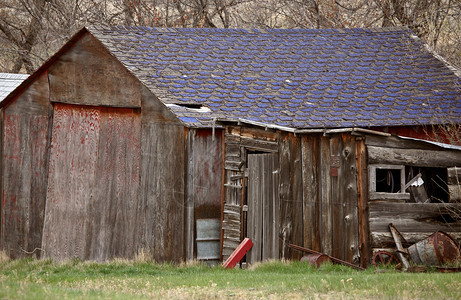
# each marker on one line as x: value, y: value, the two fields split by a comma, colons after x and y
x: 263, y: 206
x: 93, y: 183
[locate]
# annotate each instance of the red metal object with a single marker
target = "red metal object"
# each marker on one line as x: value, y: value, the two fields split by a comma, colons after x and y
x: 316, y: 259
x: 384, y: 258
x: 334, y: 259
x: 238, y: 253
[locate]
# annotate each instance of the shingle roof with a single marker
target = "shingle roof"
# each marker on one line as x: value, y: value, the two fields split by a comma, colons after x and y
x: 8, y: 82
x: 300, y: 78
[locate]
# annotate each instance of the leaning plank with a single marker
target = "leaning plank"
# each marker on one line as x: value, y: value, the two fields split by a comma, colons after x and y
x: 238, y: 254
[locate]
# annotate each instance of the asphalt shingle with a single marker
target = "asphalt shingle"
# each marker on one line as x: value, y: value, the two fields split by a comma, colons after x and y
x: 302, y: 78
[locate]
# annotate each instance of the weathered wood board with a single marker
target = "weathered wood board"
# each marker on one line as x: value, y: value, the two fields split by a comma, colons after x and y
x: 291, y: 193
x: 263, y: 206
x: 115, y: 192
x: 162, y: 204
x: 414, y: 157
x: 416, y: 219
x: 24, y: 182
x: 93, y: 183
x: 311, y: 190
x: 25, y: 144
x: 88, y: 74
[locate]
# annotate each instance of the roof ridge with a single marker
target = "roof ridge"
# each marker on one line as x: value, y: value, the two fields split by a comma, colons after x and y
x: 355, y: 30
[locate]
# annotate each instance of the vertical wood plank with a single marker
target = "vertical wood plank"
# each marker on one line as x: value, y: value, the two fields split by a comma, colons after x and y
x: 275, y: 206
x: 291, y: 195
x: 73, y: 158
x: 255, y: 213
x: 350, y: 243
x: 325, y: 198
x: 115, y: 193
x: 190, y: 198
x: 337, y: 204
x: 162, y: 206
x: 311, y: 191
x: 286, y: 204
x: 24, y: 182
x: 362, y: 203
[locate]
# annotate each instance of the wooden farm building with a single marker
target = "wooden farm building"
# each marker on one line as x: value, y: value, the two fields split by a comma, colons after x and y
x: 181, y: 142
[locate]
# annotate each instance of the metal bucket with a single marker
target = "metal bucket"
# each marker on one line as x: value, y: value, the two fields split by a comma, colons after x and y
x: 316, y: 259
x: 437, y: 249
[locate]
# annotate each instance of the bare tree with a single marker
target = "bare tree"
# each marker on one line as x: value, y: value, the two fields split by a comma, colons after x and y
x: 31, y: 30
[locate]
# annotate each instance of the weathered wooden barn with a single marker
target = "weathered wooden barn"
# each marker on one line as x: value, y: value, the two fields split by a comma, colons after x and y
x: 181, y: 142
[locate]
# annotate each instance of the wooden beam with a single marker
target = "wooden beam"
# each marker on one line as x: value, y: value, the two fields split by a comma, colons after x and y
x: 414, y: 157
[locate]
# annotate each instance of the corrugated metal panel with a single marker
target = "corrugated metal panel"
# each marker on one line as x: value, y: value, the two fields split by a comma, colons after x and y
x: 8, y: 82
x: 208, y: 237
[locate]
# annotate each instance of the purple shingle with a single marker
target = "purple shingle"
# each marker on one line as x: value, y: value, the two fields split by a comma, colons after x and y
x: 353, y: 76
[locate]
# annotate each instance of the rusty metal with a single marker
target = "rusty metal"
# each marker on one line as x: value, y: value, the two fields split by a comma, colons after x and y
x: 449, y: 269
x: 334, y: 259
x: 384, y: 258
x: 316, y: 259
x: 437, y: 249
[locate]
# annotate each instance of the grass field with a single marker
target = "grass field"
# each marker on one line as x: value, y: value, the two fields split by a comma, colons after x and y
x: 44, y: 279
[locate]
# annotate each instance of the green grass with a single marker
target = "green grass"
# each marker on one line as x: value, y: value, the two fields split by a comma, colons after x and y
x: 44, y: 279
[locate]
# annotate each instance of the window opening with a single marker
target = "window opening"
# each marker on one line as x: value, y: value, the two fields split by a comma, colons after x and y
x: 388, y: 180
x: 435, y: 182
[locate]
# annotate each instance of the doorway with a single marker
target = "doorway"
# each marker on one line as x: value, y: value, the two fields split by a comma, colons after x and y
x: 262, y: 224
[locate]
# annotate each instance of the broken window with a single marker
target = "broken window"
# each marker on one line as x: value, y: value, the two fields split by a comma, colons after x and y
x: 411, y: 184
x: 427, y: 184
x: 387, y: 178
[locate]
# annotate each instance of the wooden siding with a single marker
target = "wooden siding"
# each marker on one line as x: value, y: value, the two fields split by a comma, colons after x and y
x: 291, y: 197
x: 317, y: 189
x: 25, y: 138
x: 93, y: 183
x: 115, y: 178
x: 415, y: 221
x: 88, y: 74
x: 331, y: 217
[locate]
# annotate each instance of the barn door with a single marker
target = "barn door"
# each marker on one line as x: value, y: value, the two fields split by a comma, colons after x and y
x: 263, y: 206
x: 93, y: 180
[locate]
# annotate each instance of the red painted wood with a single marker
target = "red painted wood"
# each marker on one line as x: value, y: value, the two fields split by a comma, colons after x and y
x: 93, y: 184
x: 24, y: 188
x: 431, y: 133
x: 238, y: 253
x: 73, y: 160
